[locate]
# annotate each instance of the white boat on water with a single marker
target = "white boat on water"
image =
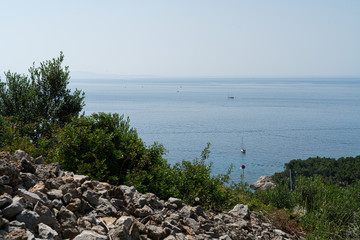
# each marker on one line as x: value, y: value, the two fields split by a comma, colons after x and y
x: 242, y: 146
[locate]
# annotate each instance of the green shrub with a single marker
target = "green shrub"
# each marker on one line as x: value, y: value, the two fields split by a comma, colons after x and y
x: 191, y: 181
x: 280, y: 196
x: 341, y: 171
x: 11, y: 138
x: 197, y: 185
x: 331, y: 211
x: 104, y: 147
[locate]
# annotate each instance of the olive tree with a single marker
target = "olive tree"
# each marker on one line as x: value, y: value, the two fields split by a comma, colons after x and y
x: 41, y: 99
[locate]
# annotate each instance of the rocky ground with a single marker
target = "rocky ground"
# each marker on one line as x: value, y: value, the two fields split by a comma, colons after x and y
x: 39, y: 201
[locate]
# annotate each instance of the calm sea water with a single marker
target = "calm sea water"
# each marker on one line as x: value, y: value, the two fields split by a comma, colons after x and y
x: 278, y: 119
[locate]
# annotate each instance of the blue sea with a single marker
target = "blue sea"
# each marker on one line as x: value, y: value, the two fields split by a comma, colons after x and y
x: 278, y: 119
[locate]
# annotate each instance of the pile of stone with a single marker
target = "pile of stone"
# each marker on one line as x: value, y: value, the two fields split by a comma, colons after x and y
x: 39, y: 201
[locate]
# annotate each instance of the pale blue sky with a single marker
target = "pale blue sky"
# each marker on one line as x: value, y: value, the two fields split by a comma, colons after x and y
x: 187, y: 38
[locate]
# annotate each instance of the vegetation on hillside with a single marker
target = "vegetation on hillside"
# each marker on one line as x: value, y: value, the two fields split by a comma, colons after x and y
x: 341, y: 171
x: 324, y: 194
x: 322, y: 209
x: 40, y: 115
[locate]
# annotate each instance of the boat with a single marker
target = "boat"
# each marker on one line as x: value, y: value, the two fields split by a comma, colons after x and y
x: 242, y: 146
x: 231, y: 97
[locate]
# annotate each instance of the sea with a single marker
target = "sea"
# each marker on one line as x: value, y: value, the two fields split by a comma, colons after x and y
x: 275, y: 119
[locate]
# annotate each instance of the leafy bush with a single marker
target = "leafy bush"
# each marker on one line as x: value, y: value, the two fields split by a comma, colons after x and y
x: 331, y: 211
x: 197, y: 185
x: 104, y: 147
x: 191, y: 181
x: 280, y: 196
x: 11, y: 138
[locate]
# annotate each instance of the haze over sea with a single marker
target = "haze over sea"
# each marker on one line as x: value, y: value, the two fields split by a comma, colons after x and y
x: 279, y: 119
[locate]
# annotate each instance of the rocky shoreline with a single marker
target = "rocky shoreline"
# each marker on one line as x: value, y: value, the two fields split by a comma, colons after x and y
x: 263, y: 183
x: 40, y: 201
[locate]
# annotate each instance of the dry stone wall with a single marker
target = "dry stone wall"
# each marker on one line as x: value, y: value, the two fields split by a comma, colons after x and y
x: 40, y: 201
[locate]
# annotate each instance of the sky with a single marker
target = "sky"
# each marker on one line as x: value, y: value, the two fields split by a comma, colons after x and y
x: 187, y: 38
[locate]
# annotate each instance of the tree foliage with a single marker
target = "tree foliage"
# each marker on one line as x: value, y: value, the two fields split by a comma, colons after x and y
x: 17, y: 97
x: 53, y: 100
x: 41, y: 99
x: 340, y: 171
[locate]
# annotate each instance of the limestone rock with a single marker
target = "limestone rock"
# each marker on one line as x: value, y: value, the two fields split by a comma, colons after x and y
x: 74, y: 205
x: 39, y: 160
x: 81, y: 178
x: 20, y: 154
x: 157, y: 233
x: 143, y: 212
x: 9, y: 169
x: 120, y: 233
x: 91, y: 197
x: 46, y: 216
x: 240, y: 210
x: 27, y: 166
x: 3, y: 222
x: 4, y: 180
x: 42, y: 172
x: 90, y: 235
x: 14, y: 208
x: 57, y: 203
x: 29, y: 196
x: 28, y: 179
x: 263, y: 183
x: 55, y: 194
x: 5, y: 200
x: 153, y: 200
x: 30, y: 218
x: 66, y: 218
x: 105, y: 208
x: 47, y: 232
x: 175, y: 201
x: 117, y: 203
x: 125, y: 221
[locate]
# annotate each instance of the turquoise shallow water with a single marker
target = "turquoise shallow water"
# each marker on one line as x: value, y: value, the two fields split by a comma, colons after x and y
x: 278, y: 119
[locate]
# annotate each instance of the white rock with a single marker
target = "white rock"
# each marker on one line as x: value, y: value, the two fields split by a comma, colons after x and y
x: 90, y: 235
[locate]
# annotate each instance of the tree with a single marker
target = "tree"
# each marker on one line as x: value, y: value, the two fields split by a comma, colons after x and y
x: 40, y: 100
x: 54, y: 102
x: 16, y: 96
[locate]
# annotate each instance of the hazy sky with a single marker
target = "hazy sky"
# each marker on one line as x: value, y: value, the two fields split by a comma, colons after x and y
x: 183, y: 38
